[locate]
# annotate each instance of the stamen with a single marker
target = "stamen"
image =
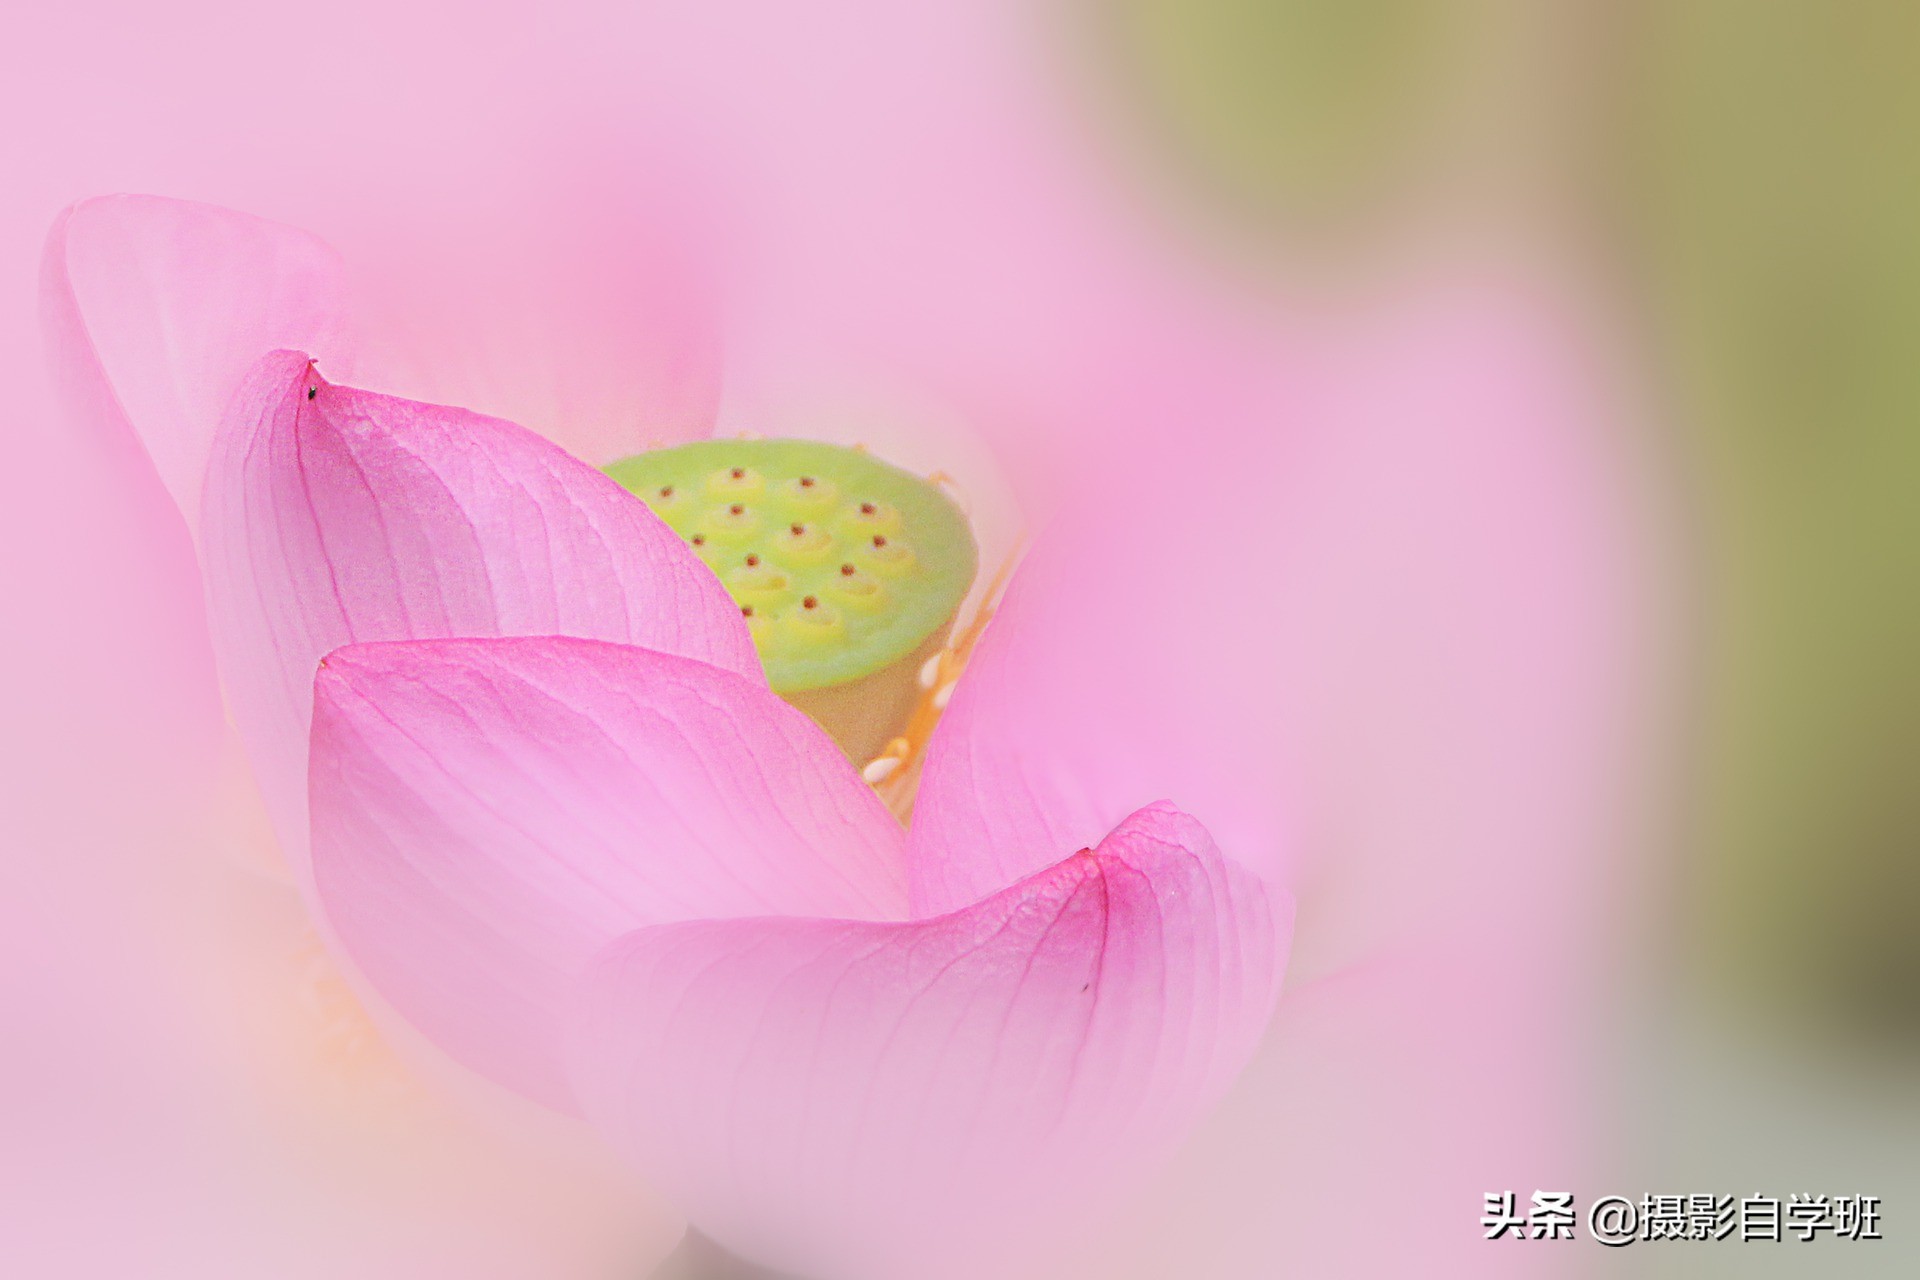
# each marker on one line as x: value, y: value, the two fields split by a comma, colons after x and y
x: 896, y: 789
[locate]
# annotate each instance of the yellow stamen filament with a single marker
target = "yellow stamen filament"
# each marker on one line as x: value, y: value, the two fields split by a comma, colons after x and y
x: 895, y: 772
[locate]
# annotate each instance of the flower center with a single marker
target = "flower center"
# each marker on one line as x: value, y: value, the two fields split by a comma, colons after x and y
x: 848, y: 571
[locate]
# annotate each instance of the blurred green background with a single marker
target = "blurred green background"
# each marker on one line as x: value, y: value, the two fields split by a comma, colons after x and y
x: 1744, y: 178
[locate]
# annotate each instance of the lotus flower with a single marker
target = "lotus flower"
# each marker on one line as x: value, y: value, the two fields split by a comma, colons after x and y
x: 488, y: 819
x: 1383, y: 623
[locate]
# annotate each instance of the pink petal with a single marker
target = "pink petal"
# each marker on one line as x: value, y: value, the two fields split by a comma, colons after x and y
x: 1364, y: 618
x: 151, y: 312
x: 335, y: 515
x: 585, y: 310
x: 190, y: 1097
x: 842, y: 1088
x: 1407, y: 610
x: 488, y: 814
x: 1063, y: 724
x: 1420, y: 1081
x: 160, y: 307
x: 981, y: 151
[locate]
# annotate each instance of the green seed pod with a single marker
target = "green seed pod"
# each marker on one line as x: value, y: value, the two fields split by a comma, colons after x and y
x: 848, y: 570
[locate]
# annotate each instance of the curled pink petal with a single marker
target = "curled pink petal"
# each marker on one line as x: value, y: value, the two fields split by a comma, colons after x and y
x: 334, y: 516
x: 843, y: 1085
x: 163, y: 306
x: 487, y: 814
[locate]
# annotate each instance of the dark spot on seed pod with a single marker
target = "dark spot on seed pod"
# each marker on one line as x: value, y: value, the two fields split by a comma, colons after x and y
x: 797, y: 530
x: 811, y: 602
x: 846, y: 571
x: 738, y: 473
x: 699, y: 539
x: 866, y: 508
x: 666, y: 491
x: 736, y: 510
x: 752, y: 561
x: 879, y: 539
x: 746, y: 611
x: 806, y: 482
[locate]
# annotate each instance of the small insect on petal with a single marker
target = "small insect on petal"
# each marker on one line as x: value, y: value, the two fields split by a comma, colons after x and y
x: 312, y: 392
